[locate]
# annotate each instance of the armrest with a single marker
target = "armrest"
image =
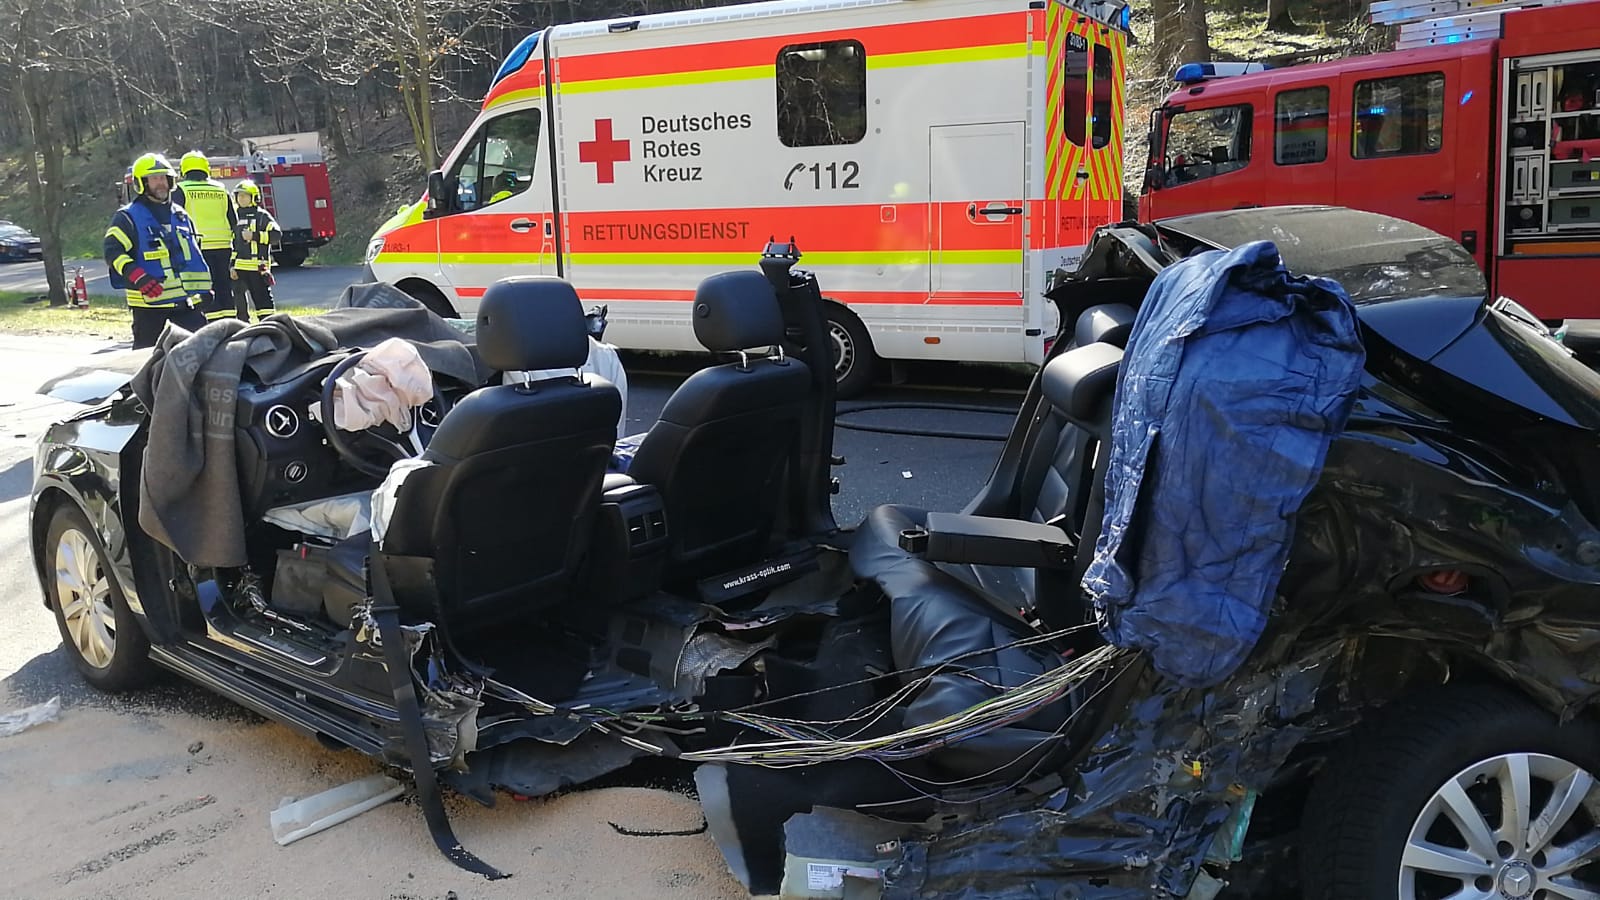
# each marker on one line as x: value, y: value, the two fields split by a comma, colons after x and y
x: 984, y: 540
x: 614, y: 481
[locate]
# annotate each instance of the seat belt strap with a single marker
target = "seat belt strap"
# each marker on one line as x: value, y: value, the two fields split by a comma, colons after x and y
x: 386, y: 615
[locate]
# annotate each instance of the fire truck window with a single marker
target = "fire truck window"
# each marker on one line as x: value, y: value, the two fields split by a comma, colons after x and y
x: 1399, y: 116
x: 822, y: 94
x: 1075, y: 90
x: 1300, y: 130
x: 1205, y: 143
x: 500, y: 162
x: 1103, y: 74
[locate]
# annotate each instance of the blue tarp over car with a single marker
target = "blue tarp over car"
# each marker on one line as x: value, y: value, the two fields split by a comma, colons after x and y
x: 1236, y: 378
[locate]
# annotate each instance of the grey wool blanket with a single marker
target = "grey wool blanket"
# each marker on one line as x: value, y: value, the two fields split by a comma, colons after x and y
x: 189, y: 484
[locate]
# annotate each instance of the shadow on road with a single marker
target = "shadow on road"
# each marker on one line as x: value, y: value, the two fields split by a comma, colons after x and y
x: 52, y: 674
x: 16, y: 480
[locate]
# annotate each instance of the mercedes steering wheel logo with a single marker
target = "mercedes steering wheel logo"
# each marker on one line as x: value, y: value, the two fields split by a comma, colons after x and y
x: 428, y: 414
x: 282, y: 422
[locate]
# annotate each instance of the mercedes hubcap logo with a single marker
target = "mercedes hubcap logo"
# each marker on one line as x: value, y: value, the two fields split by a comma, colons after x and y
x: 282, y: 422
x: 1516, y: 881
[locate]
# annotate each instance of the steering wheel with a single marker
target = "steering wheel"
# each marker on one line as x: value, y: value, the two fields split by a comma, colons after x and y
x: 346, y: 443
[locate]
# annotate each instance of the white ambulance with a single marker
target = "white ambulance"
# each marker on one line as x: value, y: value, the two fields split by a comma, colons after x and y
x: 934, y: 160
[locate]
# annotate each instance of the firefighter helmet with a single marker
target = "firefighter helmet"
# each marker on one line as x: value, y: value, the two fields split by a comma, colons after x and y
x: 151, y: 164
x: 248, y: 187
x: 195, y: 161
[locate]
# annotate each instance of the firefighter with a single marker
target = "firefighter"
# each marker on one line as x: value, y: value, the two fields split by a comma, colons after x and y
x: 154, y: 255
x: 253, y: 239
x: 208, y: 203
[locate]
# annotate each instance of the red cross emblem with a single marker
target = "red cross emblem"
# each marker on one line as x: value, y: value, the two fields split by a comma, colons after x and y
x: 605, y: 151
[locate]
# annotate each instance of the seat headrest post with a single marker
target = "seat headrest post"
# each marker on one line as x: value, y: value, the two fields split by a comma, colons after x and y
x: 532, y: 322
x: 735, y: 311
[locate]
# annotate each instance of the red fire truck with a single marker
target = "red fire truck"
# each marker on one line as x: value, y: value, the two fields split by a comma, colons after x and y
x: 1483, y: 124
x: 293, y: 177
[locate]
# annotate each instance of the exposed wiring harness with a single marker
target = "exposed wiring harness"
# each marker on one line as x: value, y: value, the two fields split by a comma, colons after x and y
x: 802, y: 743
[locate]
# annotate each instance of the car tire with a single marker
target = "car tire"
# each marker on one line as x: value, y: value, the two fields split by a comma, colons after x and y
x: 1440, y: 781
x: 853, y: 357
x: 102, y: 636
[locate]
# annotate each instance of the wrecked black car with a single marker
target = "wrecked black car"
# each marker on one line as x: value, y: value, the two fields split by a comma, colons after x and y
x: 1280, y: 586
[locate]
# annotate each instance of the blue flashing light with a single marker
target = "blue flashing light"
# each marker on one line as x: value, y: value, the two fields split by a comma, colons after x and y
x: 1125, y: 18
x: 517, y: 58
x: 1465, y: 97
x: 1192, y: 73
x: 1453, y: 39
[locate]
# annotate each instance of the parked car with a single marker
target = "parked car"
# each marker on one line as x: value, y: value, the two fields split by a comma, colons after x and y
x: 17, y: 243
x: 503, y: 612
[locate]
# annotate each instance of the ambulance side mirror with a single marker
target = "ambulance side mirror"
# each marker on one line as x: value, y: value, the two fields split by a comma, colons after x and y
x: 437, y: 201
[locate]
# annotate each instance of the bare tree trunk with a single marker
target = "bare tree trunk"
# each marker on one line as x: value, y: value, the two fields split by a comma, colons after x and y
x: 1196, y: 37
x: 1278, y: 18
x: 44, y: 187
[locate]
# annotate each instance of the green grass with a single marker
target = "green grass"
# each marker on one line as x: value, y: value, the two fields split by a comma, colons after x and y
x: 106, y: 317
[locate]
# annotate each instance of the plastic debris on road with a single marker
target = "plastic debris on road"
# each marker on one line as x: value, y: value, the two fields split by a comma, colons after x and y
x: 23, y: 719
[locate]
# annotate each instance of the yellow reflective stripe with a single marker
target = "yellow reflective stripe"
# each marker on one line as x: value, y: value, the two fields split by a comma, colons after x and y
x: 122, y: 238
x: 671, y: 79
x: 514, y: 96
x: 824, y: 258
x: 945, y: 57
x: 122, y: 262
x: 630, y: 258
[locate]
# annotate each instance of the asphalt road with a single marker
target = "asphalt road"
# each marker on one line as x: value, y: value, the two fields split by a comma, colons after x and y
x: 309, y: 285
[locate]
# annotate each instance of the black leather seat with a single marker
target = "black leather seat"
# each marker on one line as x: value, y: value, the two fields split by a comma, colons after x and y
x: 718, y: 452
x: 1054, y: 485
x: 957, y: 615
x: 503, y: 515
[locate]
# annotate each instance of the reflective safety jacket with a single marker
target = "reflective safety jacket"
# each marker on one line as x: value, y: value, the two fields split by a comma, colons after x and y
x: 160, y: 239
x: 253, y: 238
x: 211, y: 207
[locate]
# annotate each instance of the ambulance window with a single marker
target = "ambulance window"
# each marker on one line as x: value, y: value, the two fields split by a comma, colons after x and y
x: 1205, y: 143
x: 822, y: 94
x: 1075, y: 90
x: 1102, y: 95
x: 500, y: 162
x: 1300, y: 133
x: 1399, y: 116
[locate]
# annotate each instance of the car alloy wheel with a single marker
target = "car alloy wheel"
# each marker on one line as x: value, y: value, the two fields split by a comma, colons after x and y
x: 1512, y: 827
x: 84, y: 591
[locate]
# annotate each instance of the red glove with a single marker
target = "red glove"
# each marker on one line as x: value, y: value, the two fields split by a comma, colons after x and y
x: 270, y: 279
x: 144, y: 284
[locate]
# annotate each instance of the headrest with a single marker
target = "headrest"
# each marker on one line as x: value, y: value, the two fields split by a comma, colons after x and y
x: 737, y: 311
x: 531, y: 322
x: 1079, y: 380
x: 1108, y: 322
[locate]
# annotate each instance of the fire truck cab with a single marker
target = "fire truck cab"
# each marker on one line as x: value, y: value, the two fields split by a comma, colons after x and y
x: 1483, y: 125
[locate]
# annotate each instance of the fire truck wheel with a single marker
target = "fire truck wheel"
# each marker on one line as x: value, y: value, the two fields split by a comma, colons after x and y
x: 853, y: 356
x: 290, y: 258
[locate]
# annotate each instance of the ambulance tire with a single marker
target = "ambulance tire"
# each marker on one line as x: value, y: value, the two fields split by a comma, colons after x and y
x: 854, y: 358
x: 429, y: 296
